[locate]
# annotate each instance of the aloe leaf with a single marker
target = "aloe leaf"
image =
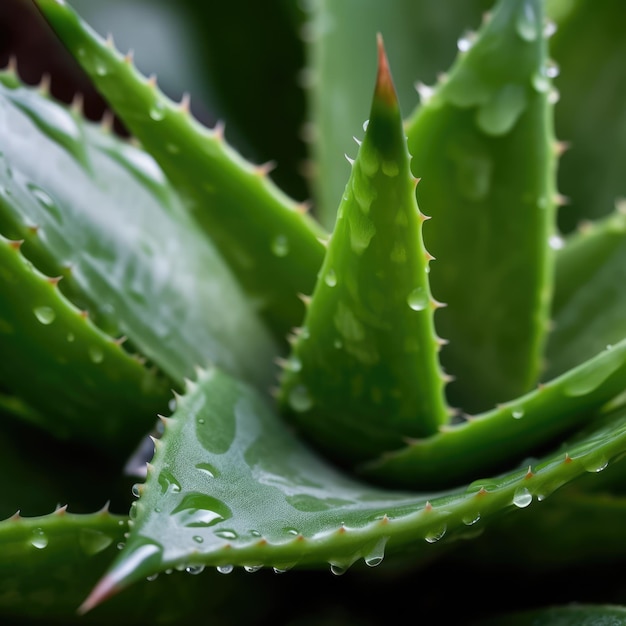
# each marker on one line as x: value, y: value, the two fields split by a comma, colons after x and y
x: 230, y: 486
x: 589, y: 297
x: 420, y: 39
x: 589, y: 50
x: 52, y: 351
x: 48, y: 564
x: 509, y: 431
x: 100, y: 213
x: 267, y: 239
x: 483, y: 146
x: 369, y: 327
x: 563, y: 533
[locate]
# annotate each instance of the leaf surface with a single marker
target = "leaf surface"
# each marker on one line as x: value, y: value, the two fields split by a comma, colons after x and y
x: 100, y: 213
x: 364, y: 370
x: 230, y: 486
x: 483, y: 147
x: 266, y: 238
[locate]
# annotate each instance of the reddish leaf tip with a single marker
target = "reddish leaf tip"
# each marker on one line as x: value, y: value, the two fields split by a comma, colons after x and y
x: 385, y: 90
x: 106, y: 588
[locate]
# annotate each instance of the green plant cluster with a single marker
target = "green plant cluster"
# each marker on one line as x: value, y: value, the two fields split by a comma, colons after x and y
x: 415, y: 377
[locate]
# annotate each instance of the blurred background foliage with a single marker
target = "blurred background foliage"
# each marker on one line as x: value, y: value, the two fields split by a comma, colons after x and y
x: 256, y: 66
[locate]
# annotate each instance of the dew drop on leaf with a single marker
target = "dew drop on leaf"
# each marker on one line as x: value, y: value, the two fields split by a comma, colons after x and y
x: 299, y: 399
x: 45, y: 314
x: 39, y: 539
x: 522, y: 498
x: 418, y: 299
x: 94, y: 541
x: 435, y: 534
x: 526, y: 23
x: 331, y: 278
x: 280, y: 246
x: 377, y: 554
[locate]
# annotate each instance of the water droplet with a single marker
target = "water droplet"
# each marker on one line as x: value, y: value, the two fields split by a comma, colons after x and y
x: 252, y: 568
x: 101, y: 69
x: 225, y: 569
x: 280, y: 246
x: 136, y: 489
x: 45, y: 314
x: 526, y: 23
x: 362, y: 230
x: 194, y: 570
x: 499, y: 114
x: 390, y: 168
x: 552, y: 69
x: 208, y: 469
x: 93, y: 541
x: 556, y: 242
x: 549, y: 29
x: 121, y: 545
x: 167, y: 482
x: 299, y: 399
x: 465, y: 42
x: 198, y: 539
x: 39, y: 539
x: 339, y: 569
x: 152, y: 577
x: 331, y: 278
x: 226, y: 534
x: 365, y: 124
x: 435, y: 534
x: 471, y: 519
x: 96, y: 355
x: 522, y: 498
x: 199, y: 510
x: 418, y: 299
x: 540, y: 82
x: 517, y: 414
x: 594, y: 463
x: 157, y: 111
x: 377, y: 554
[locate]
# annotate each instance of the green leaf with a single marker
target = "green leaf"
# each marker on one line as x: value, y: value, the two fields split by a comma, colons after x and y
x: 230, y: 486
x: 266, y: 238
x: 420, y: 38
x: 48, y: 564
x: 510, y: 431
x: 589, y: 297
x: 589, y: 48
x: 79, y: 378
x: 100, y: 213
x: 364, y: 372
x: 483, y: 146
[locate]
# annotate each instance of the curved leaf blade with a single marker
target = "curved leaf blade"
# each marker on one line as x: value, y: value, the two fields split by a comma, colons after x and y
x: 51, y: 351
x: 230, y: 486
x: 510, y: 431
x: 364, y: 371
x: 100, y: 213
x: 589, y: 304
x: 483, y: 147
x: 256, y: 228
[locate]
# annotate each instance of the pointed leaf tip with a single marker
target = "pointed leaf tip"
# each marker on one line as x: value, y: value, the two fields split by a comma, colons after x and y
x: 385, y: 89
x: 105, y: 589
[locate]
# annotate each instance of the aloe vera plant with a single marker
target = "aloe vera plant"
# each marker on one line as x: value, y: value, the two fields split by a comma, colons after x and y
x: 417, y: 370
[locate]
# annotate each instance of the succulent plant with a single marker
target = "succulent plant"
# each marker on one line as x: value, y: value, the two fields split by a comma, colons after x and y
x: 424, y: 372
